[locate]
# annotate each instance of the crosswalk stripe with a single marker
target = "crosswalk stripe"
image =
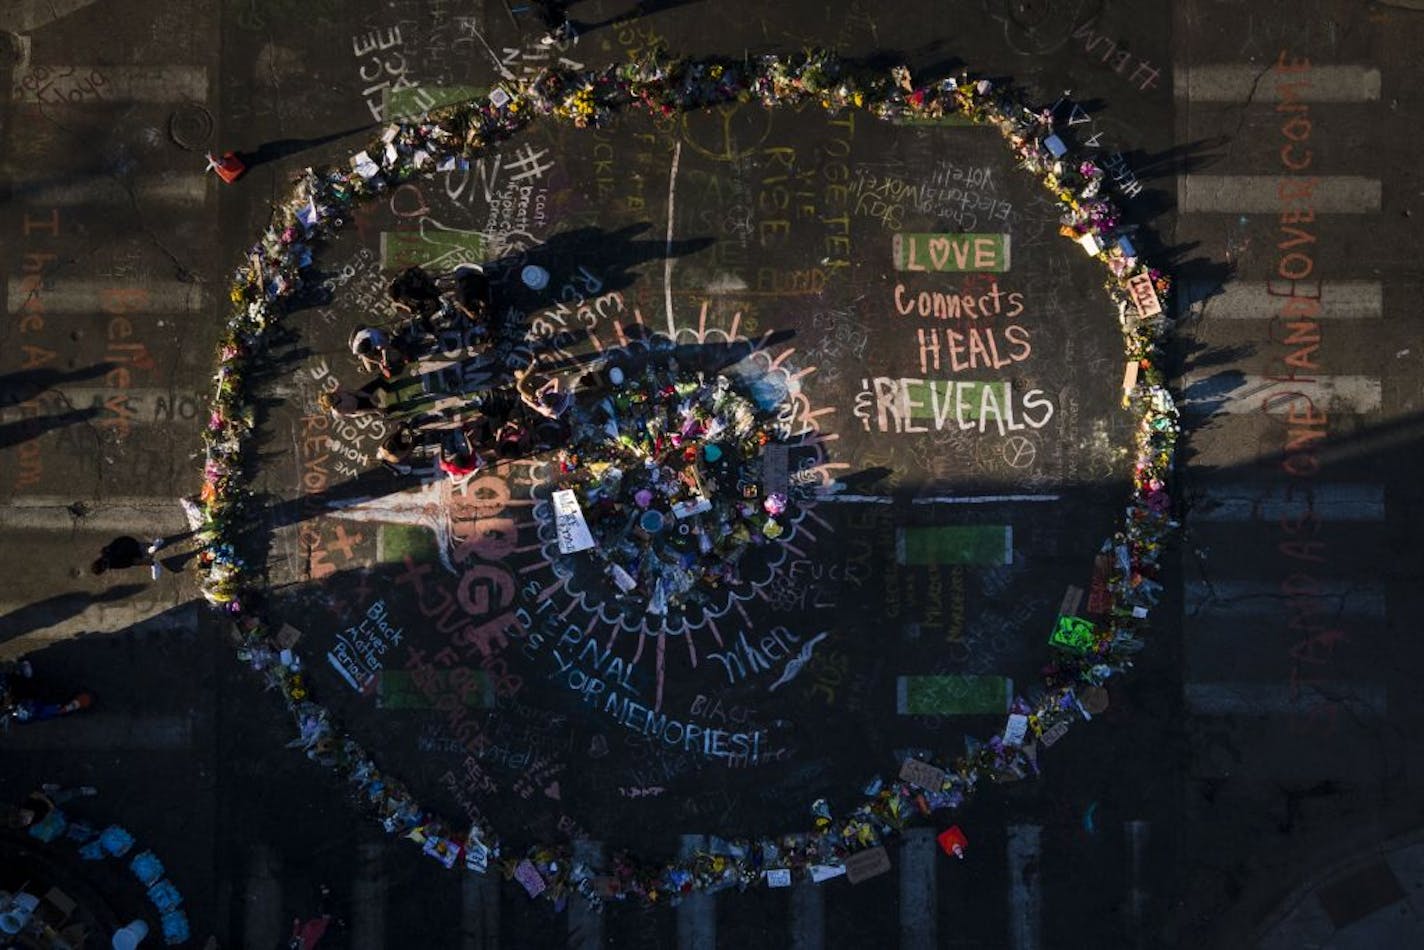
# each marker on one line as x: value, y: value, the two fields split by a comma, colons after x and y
x: 918, y: 930
x: 1025, y: 893
x: 116, y: 83
x: 1209, y: 602
x: 1136, y: 832
x: 1236, y: 82
x: 99, y: 617
x: 136, y: 405
x: 585, y: 922
x: 697, y: 914
x: 808, y: 916
x: 262, y: 901
x: 168, y: 188
x: 1260, y: 194
x: 97, y: 730
x: 1218, y: 391
x: 100, y: 296
x: 1270, y: 699
x: 479, y: 911
x: 151, y: 517
x: 1264, y: 300
x: 1328, y: 501
x: 368, y: 898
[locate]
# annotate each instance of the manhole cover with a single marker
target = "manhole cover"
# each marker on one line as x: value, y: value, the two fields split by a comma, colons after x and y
x: 191, y: 127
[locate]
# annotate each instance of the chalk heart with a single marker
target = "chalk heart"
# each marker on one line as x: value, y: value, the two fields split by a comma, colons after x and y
x: 939, y: 252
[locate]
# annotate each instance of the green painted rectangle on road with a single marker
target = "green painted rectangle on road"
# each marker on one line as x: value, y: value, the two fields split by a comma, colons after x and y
x: 955, y: 544
x: 402, y: 249
x: 955, y: 695
x: 400, y: 541
x: 954, y: 253
x: 397, y: 689
x: 926, y: 398
x: 413, y: 100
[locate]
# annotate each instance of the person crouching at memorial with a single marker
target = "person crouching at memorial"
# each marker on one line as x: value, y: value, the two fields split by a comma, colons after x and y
x: 458, y: 456
x: 395, y: 452
x: 372, y: 346
x: 471, y: 294
x: 547, y: 399
x: 353, y: 403
x: 415, y: 292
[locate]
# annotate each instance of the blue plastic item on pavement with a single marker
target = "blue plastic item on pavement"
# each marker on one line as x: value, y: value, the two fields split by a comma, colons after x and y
x: 165, y: 896
x: 175, y: 928
x: 116, y: 841
x: 147, y: 868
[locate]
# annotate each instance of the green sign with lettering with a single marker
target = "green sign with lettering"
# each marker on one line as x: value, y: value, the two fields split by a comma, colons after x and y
x: 1073, y: 633
x: 954, y: 253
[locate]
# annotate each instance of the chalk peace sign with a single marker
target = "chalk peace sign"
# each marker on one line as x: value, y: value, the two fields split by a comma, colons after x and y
x: 1019, y: 451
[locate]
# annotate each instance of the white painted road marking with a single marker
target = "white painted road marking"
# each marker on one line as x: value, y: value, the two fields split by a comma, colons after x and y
x: 25, y: 16
x: 808, y: 916
x: 479, y: 911
x: 1136, y: 894
x: 1232, y: 82
x: 1267, y: 699
x: 100, y: 296
x: 1360, y: 601
x: 137, y: 406
x: 697, y: 914
x: 1264, y: 300
x: 141, y: 517
x: 1025, y: 895
x: 1215, y: 391
x: 102, y: 617
x: 171, y: 188
x: 1328, y: 501
x: 118, y: 83
x: 100, y: 730
x: 1262, y: 194
x: 918, y: 930
x: 368, y: 898
x: 262, y: 918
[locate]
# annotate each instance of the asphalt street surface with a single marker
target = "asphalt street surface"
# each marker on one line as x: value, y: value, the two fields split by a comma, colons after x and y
x: 1263, y: 154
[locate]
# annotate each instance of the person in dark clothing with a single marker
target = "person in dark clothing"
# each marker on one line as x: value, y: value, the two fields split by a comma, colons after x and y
x: 125, y: 551
x: 471, y: 293
x: 395, y: 452
x: 556, y: 21
x: 414, y: 291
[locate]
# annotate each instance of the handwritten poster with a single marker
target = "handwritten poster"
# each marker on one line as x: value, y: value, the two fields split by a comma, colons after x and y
x: 569, y: 522
x: 1144, y: 296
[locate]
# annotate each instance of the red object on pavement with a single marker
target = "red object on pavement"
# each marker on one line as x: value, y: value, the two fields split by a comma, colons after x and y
x: 307, y: 934
x: 953, y: 842
x: 229, y: 167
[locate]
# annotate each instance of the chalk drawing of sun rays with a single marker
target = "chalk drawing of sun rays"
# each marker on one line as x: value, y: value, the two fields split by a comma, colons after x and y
x: 435, y: 505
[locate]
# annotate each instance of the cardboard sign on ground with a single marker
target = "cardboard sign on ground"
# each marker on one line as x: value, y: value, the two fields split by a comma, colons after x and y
x: 863, y: 865
x: 528, y: 875
x: 922, y: 774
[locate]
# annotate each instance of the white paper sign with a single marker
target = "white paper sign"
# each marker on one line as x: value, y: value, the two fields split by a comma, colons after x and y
x: 569, y: 522
x: 366, y: 168
x: 1016, y: 729
x: 778, y: 877
x: 824, y: 872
